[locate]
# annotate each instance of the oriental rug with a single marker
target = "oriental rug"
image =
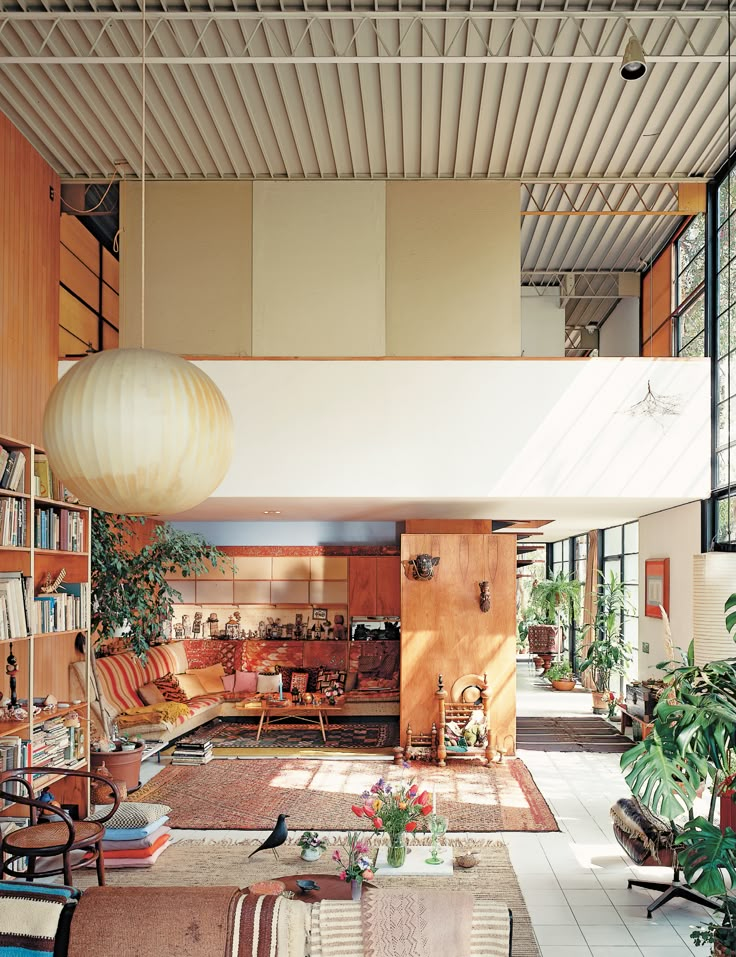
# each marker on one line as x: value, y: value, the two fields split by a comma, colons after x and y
x: 347, y: 733
x: 317, y: 794
x: 188, y: 863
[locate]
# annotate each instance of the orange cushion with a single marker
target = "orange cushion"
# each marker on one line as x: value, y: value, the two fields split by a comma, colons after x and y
x: 191, y: 686
x: 210, y: 678
x: 140, y: 851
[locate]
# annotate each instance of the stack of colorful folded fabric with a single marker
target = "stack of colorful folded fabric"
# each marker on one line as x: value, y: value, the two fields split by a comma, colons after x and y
x: 136, y: 835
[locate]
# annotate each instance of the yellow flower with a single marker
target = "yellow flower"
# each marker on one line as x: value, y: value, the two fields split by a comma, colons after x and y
x: 377, y: 805
x: 402, y: 805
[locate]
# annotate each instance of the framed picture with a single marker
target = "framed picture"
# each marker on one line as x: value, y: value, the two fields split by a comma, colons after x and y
x: 656, y: 587
x: 319, y: 614
x: 299, y: 681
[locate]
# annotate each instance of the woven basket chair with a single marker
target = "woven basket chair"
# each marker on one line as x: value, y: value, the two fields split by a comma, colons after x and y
x: 44, y: 838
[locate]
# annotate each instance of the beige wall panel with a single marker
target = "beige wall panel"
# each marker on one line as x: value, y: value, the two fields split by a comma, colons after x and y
x: 291, y: 567
x: 452, y: 269
x: 252, y: 593
x: 328, y: 592
x: 219, y: 572
x: 186, y: 587
x: 290, y: 593
x: 319, y: 269
x: 198, y: 267
x: 328, y: 568
x: 213, y: 593
x: 254, y: 569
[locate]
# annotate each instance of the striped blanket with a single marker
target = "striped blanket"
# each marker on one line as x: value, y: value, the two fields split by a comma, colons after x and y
x: 337, y: 930
x: 270, y: 926
x: 31, y: 916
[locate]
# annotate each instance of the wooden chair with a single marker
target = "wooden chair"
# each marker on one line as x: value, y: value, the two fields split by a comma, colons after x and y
x: 44, y: 838
x: 460, y: 711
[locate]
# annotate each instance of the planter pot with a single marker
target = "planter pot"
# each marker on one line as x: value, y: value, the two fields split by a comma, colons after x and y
x: 728, y: 811
x: 122, y: 765
x: 600, y: 702
x: 311, y: 853
x: 563, y: 684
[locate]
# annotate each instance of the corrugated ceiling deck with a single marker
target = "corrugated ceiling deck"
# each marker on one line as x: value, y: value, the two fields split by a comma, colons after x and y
x: 372, y: 120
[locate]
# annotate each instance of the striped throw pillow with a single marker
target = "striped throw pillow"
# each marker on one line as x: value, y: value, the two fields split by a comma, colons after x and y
x: 170, y: 688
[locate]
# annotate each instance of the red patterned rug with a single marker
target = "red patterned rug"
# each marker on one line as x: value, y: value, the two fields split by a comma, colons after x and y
x: 249, y: 794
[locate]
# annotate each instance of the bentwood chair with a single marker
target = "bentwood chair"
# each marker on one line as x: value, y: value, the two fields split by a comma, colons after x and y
x: 51, y: 838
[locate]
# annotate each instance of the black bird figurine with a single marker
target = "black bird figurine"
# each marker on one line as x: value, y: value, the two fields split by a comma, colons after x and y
x: 276, y: 838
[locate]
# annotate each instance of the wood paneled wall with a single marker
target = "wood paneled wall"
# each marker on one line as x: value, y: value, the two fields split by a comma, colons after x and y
x: 443, y: 630
x: 29, y: 284
x: 656, y: 307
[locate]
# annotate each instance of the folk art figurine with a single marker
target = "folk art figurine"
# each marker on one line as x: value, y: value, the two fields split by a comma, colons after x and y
x: 485, y: 596
x: 11, y: 669
x: 197, y: 624
x: 423, y: 567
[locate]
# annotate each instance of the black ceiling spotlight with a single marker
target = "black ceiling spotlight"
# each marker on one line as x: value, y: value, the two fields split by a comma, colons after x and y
x: 633, y: 64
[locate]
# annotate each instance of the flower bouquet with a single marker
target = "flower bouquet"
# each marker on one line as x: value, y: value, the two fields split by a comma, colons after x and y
x: 397, y: 810
x: 357, y: 867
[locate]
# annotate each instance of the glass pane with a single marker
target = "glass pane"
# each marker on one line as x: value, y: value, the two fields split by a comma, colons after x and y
x: 612, y: 565
x: 723, y: 477
x: 694, y: 349
x: 725, y: 425
x: 613, y: 541
x: 566, y: 553
x: 631, y: 569
x: 726, y: 288
x: 727, y: 242
x: 631, y: 537
x: 726, y: 332
x: 726, y: 376
x: 727, y: 197
x: 691, y: 277
x: 556, y: 552
x: 631, y: 630
x: 691, y: 242
x: 693, y: 321
x: 632, y: 594
x: 726, y: 520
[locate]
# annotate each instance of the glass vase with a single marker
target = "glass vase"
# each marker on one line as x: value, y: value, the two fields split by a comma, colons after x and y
x: 396, y: 854
x: 356, y: 889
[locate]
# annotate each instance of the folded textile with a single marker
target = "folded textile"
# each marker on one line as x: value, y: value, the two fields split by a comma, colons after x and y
x: 268, y: 924
x: 132, y: 833
x: 152, y: 713
x: 405, y: 923
x: 133, y: 861
x: 135, y: 843
x: 139, y: 853
x: 31, y: 916
x: 131, y: 814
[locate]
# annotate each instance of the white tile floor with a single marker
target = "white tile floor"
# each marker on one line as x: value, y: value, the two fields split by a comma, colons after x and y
x: 574, y: 881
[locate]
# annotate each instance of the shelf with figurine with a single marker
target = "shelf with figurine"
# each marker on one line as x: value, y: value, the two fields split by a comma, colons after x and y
x: 315, y: 624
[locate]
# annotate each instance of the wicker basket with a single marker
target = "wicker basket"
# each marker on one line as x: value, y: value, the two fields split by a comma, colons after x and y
x: 102, y: 793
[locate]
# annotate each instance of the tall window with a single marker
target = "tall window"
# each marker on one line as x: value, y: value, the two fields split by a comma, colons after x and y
x: 725, y: 351
x: 689, y: 289
x: 621, y: 556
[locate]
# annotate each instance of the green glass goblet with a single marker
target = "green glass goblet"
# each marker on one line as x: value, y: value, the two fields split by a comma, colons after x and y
x: 438, y: 827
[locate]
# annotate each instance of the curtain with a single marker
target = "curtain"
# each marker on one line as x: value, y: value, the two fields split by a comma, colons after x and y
x: 589, y: 604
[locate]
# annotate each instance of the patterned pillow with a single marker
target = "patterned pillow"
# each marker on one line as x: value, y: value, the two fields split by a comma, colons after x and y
x: 150, y: 694
x: 35, y: 917
x: 134, y: 815
x: 328, y: 679
x: 170, y: 688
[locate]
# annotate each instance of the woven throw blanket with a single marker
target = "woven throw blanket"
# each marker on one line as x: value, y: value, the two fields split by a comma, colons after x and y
x: 336, y: 930
x: 29, y: 917
x: 414, y: 923
x: 153, y: 713
x: 270, y: 926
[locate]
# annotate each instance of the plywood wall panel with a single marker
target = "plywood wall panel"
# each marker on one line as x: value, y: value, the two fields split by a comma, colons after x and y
x: 388, y: 586
x: 29, y: 284
x: 443, y: 630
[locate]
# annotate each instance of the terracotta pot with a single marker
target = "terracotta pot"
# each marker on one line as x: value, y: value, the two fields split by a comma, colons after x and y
x: 123, y: 765
x: 728, y: 811
x: 600, y: 702
x: 564, y: 684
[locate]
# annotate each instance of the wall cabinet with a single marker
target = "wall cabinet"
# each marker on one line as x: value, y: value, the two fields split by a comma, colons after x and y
x: 374, y: 585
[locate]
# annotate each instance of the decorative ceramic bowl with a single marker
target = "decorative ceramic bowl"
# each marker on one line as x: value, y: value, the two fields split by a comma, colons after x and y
x: 306, y: 886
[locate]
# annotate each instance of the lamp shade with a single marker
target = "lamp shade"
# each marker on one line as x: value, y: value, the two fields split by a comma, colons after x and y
x: 138, y: 432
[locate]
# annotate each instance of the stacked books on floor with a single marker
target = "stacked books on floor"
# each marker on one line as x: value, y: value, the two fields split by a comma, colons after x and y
x: 198, y: 752
x: 136, y: 835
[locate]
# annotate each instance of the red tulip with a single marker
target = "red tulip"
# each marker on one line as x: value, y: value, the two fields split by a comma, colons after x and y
x: 413, y: 790
x: 377, y: 822
x: 423, y: 797
x: 427, y: 809
x: 411, y: 826
x: 358, y: 810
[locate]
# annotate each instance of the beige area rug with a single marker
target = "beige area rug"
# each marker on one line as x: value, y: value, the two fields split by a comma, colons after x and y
x: 317, y: 795
x: 224, y: 862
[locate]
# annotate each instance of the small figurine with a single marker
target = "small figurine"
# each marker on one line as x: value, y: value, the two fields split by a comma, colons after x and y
x: 178, y: 631
x: 197, y: 624
x: 485, y: 596
x: 186, y: 624
x: 51, y: 587
x: 339, y: 630
x: 423, y: 567
x: 232, y: 628
x: 213, y: 625
x: 11, y: 669
x: 261, y: 629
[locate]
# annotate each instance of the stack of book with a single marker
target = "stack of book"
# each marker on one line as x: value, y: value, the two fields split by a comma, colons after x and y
x: 12, y: 469
x: 55, y: 742
x: 16, y: 591
x: 12, y: 755
x: 62, y: 530
x: 199, y: 752
x: 63, y: 611
x: 13, y: 522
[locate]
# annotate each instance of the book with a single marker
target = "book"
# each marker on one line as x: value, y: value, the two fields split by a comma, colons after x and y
x: 42, y: 471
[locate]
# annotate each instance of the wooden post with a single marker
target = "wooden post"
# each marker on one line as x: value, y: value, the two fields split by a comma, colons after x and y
x: 486, y: 696
x: 441, y: 695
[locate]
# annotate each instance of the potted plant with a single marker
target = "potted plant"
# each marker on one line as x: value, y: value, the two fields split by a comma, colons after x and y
x: 609, y: 653
x: 129, y: 587
x: 356, y: 867
x: 719, y: 934
x: 561, y: 676
x: 312, y: 845
x: 555, y: 602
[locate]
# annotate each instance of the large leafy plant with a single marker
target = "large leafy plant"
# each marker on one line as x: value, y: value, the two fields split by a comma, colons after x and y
x: 554, y: 600
x: 129, y: 582
x: 609, y: 653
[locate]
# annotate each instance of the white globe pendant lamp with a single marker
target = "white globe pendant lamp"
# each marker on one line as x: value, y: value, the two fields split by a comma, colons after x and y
x: 137, y: 431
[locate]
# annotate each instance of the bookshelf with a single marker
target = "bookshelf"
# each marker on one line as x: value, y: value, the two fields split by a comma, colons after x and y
x: 42, y: 533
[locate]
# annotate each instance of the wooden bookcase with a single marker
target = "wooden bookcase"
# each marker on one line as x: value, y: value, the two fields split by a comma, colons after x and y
x: 44, y: 657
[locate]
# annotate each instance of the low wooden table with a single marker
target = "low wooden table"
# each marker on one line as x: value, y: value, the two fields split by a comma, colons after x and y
x: 331, y: 888
x: 271, y: 713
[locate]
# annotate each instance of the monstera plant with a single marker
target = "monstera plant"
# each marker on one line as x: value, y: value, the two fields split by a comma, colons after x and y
x: 692, y: 744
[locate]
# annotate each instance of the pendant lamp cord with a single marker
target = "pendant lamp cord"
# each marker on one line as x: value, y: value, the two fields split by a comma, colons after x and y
x: 143, y: 174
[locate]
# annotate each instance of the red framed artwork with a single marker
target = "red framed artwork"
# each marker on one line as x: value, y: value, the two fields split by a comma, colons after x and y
x: 656, y: 587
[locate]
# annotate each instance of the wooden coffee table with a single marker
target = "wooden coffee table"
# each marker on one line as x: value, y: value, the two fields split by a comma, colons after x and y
x: 331, y: 888
x: 316, y: 714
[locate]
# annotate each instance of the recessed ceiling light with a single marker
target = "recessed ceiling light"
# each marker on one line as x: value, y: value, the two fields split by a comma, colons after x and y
x: 271, y: 511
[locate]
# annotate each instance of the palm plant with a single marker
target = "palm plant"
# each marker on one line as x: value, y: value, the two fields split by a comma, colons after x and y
x: 609, y: 653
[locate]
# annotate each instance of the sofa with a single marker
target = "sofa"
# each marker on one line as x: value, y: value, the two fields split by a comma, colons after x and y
x: 228, y: 922
x: 120, y: 678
